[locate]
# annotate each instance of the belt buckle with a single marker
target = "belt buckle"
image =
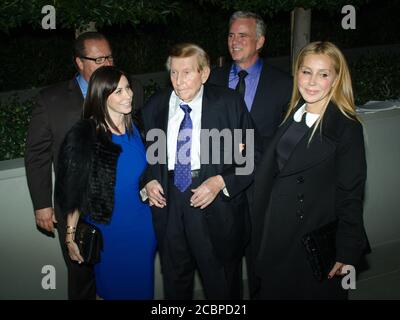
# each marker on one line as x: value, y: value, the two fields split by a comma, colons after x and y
x: 195, y: 173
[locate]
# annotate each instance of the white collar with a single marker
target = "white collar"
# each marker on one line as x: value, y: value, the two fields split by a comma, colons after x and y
x: 311, y: 118
x: 195, y: 102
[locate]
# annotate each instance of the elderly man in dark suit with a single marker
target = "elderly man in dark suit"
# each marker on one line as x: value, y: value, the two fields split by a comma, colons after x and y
x: 58, y: 108
x: 265, y: 89
x: 199, y: 207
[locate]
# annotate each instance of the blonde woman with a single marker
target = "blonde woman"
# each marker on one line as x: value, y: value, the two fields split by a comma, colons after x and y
x: 312, y: 173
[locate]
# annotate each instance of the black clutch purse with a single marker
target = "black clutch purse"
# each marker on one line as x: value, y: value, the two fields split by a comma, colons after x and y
x: 320, y: 246
x: 89, y: 240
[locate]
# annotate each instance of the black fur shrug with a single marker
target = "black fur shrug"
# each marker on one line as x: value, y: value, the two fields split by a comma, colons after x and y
x: 86, y: 172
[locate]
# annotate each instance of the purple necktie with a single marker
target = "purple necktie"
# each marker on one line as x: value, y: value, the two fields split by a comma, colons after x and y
x: 183, y: 170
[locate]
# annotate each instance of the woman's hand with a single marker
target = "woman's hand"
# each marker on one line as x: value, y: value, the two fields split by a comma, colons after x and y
x: 337, y: 270
x: 155, y: 193
x: 73, y: 251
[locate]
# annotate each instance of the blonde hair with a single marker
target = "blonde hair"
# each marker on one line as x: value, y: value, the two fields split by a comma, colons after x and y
x: 184, y: 50
x: 341, y: 93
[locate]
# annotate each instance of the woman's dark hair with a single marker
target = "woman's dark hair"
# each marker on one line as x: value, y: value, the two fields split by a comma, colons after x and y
x: 103, y: 82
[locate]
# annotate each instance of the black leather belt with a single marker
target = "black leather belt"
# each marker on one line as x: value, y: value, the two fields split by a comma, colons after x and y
x: 195, y: 173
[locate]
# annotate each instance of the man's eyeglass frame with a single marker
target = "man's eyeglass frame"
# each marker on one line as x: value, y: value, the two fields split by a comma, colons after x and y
x: 99, y: 60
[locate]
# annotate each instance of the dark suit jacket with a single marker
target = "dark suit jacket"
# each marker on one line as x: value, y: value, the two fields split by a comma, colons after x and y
x: 58, y: 108
x: 271, y: 99
x: 222, y: 109
x: 320, y: 182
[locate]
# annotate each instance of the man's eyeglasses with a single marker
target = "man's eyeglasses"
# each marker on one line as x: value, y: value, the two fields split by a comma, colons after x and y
x: 99, y: 60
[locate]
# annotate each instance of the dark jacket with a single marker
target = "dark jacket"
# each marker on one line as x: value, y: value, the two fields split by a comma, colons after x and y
x: 319, y: 183
x: 86, y: 172
x: 272, y: 96
x: 225, y: 216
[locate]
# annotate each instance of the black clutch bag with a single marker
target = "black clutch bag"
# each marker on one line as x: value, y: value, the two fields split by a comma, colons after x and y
x: 90, y: 241
x: 320, y: 246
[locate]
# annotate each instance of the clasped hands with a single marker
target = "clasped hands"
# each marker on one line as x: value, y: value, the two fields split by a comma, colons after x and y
x: 202, y: 196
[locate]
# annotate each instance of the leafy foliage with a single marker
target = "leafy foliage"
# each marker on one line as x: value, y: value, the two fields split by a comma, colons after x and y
x: 15, y: 116
x: 272, y: 7
x: 14, y: 120
x: 376, y: 78
x: 73, y: 14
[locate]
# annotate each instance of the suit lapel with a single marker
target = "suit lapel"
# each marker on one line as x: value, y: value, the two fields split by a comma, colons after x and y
x: 209, y: 120
x: 306, y: 155
x: 162, y: 115
x: 76, y: 98
x: 264, y: 84
x: 209, y: 117
x: 269, y: 149
x: 161, y: 123
x: 225, y: 74
x: 265, y: 175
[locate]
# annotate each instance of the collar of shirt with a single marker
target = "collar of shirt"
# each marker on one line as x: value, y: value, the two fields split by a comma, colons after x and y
x: 251, y: 81
x: 83, y: 85
x: 252, y: 71
x: 195, y: 104
x: 311, y: 118
x: 175, y: 117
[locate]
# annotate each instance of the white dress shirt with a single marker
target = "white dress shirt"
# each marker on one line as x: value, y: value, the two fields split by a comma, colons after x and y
x: 175, y: 117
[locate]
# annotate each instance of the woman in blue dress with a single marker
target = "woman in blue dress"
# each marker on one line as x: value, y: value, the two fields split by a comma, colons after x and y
x: 101, y: 160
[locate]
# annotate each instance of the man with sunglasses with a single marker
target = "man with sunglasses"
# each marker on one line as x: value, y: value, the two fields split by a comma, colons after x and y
x: 58, y: 108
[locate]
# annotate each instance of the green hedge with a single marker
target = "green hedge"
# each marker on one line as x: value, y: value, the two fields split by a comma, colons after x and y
x: 374, y: 78
x: 14, y: 120
x: 35, y: 58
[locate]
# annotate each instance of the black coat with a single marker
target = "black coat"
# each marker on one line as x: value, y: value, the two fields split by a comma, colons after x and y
x: 319, y: 183
x: 86, y: 172
x: 225, y: 216
x: 271, y: 98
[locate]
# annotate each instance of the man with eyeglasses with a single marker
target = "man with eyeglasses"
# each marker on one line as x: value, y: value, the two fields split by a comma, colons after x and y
x: 58, y: 108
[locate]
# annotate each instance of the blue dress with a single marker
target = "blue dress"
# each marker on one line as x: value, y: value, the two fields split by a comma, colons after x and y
x: 126, y: 269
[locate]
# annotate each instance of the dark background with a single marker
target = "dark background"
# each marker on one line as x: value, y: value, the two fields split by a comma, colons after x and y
x: 32, y: 57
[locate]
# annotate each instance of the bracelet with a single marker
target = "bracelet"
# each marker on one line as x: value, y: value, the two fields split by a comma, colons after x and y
x: 69, y: 241
x: 71, y: 227
x: 72, y: 232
